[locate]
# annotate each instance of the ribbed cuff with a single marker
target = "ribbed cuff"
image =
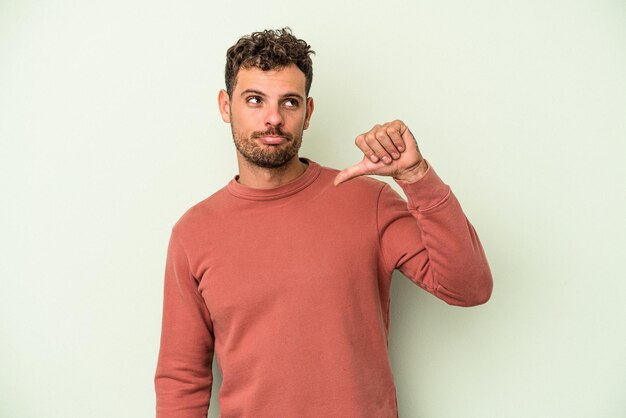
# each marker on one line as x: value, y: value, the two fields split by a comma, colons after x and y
x: 427, y: 192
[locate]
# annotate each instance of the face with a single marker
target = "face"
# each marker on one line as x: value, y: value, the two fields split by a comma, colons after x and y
x: 268, y: 112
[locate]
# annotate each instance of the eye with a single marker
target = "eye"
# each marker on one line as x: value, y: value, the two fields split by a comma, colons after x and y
x: 292, y: 103
x: 254, y: 100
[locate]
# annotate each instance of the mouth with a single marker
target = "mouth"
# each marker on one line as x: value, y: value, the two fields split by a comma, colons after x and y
x: 272, y: 139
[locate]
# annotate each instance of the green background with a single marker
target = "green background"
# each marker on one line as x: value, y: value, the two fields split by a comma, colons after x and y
x: 109, y: 131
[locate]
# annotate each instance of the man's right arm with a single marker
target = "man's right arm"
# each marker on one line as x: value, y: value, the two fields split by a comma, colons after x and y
x: 183, y: 377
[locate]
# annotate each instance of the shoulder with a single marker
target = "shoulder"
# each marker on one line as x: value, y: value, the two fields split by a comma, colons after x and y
x: 363, y: 195
x: 203, y: 214
x: 362, y: 189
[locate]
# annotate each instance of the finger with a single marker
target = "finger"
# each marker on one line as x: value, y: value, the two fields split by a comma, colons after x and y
x: 372, y: 143
x: 387, y: 142
x: 349, y: 173
x: 396, y: 137
x: 362, y: 145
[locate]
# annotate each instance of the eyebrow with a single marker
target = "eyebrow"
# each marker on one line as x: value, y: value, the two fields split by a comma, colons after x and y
x: 260, y: 93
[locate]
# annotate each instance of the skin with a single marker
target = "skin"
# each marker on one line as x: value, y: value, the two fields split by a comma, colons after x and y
x: 262, y: 101
x: 389, y: 149
x: 269, y: 111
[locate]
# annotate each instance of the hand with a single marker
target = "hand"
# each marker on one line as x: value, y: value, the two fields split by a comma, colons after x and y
x: 389, y: 150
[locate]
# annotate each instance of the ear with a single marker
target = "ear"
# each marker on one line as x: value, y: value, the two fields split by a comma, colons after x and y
x: 309, y: 111
x: 223, y: 101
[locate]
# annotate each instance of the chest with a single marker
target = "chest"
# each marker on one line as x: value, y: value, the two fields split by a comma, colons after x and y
x: 286, y: 261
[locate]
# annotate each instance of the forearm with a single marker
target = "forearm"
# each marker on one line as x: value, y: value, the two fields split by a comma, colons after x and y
x: 183, y: 378
x: 449, y: 260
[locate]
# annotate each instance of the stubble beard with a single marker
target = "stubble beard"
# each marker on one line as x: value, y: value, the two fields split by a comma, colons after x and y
x: 267, y: 156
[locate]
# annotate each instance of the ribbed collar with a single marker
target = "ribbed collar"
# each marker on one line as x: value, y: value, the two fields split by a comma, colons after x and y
x: 244, y: 192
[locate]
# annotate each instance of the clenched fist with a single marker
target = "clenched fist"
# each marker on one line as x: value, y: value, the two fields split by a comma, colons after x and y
x: 389, y: 149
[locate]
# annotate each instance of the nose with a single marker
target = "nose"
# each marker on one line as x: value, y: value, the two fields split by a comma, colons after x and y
x: 273, y: 116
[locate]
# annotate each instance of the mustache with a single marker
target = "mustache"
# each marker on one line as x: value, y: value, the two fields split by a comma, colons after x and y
x: 271, y: 132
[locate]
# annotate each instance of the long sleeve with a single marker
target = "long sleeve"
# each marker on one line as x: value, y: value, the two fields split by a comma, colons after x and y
x: 183, y: 377
x: 433, y: 244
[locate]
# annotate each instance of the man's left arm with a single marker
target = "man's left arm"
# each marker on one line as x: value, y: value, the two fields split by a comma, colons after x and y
x: 433, y: 244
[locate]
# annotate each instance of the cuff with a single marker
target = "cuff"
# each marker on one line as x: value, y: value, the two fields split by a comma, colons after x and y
x: 427, y: 192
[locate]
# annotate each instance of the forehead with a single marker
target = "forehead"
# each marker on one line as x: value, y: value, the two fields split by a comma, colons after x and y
x: 289, y: 78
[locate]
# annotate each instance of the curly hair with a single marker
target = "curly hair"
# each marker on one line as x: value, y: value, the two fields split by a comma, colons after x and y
x: 268, y: 50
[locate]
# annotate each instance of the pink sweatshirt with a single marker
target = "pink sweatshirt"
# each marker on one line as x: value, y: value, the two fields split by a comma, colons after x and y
x: 290, y: 288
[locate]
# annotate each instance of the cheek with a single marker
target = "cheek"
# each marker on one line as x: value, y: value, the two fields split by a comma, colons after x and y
x: 298, y: 120
x: 241, y: 121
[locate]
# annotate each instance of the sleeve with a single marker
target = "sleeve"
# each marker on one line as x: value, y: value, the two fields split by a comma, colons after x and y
x: 433, y: 243
x: 183, y: 378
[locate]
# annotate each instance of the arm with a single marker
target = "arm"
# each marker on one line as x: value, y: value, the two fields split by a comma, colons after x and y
x: 432, y: 243
x: 183, y: 377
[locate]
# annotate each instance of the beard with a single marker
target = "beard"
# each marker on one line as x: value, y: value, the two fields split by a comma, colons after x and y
x: 268, y: 156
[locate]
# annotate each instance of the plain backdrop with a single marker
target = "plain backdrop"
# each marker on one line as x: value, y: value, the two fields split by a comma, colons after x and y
x: 109, y: 131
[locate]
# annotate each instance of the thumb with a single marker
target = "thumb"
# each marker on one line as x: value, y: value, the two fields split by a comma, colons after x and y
x: 349, y: 173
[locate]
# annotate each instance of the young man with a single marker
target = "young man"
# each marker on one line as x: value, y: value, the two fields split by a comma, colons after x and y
x: 285, y: 273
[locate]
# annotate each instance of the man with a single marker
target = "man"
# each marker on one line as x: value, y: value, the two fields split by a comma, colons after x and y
x: 285, y: 273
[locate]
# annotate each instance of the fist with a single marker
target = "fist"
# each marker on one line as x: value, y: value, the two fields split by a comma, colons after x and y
x: 389, y: 149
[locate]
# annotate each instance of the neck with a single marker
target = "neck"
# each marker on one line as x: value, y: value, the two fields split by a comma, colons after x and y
x: 251, y: 175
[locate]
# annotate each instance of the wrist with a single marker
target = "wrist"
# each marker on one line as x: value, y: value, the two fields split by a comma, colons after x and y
x: 413, y: 173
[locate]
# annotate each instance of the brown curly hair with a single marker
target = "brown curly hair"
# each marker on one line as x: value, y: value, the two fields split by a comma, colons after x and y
x: 268, y: 50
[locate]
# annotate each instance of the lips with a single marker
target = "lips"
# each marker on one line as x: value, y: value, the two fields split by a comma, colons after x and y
x: 272, y: 139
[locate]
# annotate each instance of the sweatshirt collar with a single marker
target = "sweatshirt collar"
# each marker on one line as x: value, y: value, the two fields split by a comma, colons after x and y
x: 244, y: 192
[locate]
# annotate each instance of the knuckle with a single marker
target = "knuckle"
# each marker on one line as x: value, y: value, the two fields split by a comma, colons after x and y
x: 370, y: 139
